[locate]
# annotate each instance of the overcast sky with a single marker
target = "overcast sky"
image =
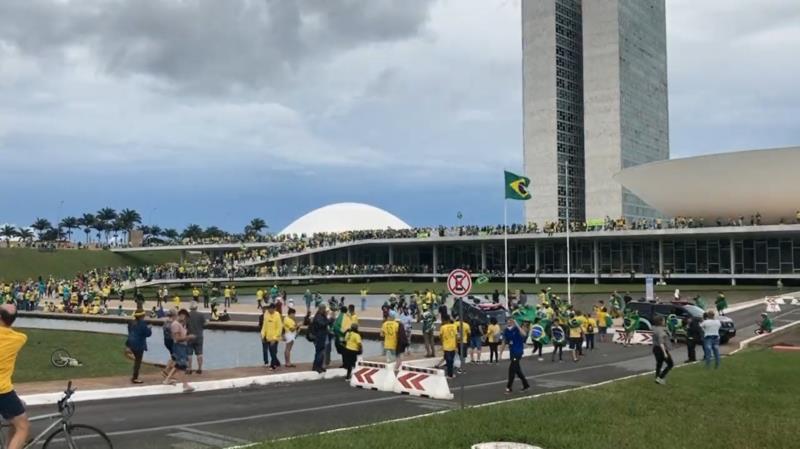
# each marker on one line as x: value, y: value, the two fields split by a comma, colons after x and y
x: 215, y: 112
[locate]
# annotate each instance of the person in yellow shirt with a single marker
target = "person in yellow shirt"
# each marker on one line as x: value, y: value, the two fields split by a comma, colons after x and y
x: 389, y: 330
x: 589, y: 330
x: 364, y: 293
x: 176, y: 302
x: 227, y: 296
x: 271, y: 331
x: 602, y: 323
x: 289, y: 335
x: 493, y: 337
x: 575, y: 338
x: 449, y: 335
x: 463, y: 348
x: 352, y: 348
x: 260, y: 298
x: 351, y: 315
x: 11, y: 407
x: 196, y: 294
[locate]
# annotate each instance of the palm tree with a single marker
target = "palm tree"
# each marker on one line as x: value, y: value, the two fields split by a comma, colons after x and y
x: 69, y: 223
x: 193, y: 232
x: 171, y: 234
x: 25, y: 234
x: 213, y: 232
x: 128, y: 219
x: 41, y: 225
x: 100, y: 226
x: 106, y: 215
x: 8, y: 232
x: 255, y: 227
x: 87, y: 221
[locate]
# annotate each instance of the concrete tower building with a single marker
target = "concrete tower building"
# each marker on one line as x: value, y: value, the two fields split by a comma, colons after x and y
x: 595, y: 96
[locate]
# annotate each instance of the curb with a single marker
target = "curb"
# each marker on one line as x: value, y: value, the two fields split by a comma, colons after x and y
x: 210, y: 385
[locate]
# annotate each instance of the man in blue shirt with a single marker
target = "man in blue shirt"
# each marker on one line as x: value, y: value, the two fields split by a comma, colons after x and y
x: 514, y: 337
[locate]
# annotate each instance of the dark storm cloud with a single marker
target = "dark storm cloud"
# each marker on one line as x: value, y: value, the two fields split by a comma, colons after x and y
x: 207, y: 45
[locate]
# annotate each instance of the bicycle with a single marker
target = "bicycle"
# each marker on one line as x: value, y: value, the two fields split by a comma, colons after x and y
x: 63, y: 434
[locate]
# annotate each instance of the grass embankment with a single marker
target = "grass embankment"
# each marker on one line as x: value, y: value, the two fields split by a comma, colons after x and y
x: 100, y: 354
x: 18, y: 264
x: 751, y: 403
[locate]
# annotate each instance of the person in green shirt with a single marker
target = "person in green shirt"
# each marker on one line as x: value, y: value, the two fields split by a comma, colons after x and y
x: 631, y: 324
x: 700, y: 302
x: 721, y: 303
x: 765, y: 326
x: 428, y: 325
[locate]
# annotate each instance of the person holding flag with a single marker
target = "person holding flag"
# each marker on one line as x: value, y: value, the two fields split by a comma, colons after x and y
x: 559, y: 340
x: 631, y: 324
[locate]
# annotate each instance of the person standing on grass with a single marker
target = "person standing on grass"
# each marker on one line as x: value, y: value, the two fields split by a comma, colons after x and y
x: 271, y: 332
x: 710, y: 328
x: 289, y: 335
x: 694, y: 337
x: 661, y: 350
x: 180, y: 350
x: 12, y: 409
x: 195, y: 326
x: 449, y: 335
x: 493, y: 337
x: 138, y: 332
x: 352, y: 348
x: 514, y: 337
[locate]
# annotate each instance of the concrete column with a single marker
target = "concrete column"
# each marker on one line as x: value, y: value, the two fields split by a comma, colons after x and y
x: 391, y: 255
x: 183, y: 256
x: 733, y: 263
x: 311, y: 259
x: 660, y: 258
x: 483, y: 257
x: 349, y: 256
x: 596, y: 261
x: 435, y: 261
x: 536, y: 259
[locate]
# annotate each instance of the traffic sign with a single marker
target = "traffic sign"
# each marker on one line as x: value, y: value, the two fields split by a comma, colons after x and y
x: 459, y: 282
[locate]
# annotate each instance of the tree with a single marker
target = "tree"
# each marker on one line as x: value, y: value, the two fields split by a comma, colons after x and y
x: 128, y: 219
x: 25, y: 234
x: 171, y: 234
x: 87, y: 222
x: 69, y: 223
x: 213, y: 232
x: 193, y: 232
x: 41, y: 225
x: 100, y: 226
x: 8, y: 232
x: 106, y: 215
x: 255, y: 227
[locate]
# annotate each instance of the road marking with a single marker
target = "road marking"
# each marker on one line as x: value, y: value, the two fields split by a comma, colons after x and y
x: 188, y: 445
x: 431, y: 404
x: 214, y: 435
x: 202, y: 439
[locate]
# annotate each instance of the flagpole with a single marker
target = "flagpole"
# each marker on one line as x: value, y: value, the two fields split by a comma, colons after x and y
x: 569, y: 277
x: 505, y: 247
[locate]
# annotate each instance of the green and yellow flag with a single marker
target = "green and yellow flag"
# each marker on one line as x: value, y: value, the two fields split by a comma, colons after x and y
x: 517, y: 187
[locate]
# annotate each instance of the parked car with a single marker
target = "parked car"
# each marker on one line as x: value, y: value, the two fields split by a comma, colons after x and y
x: 684, y: 311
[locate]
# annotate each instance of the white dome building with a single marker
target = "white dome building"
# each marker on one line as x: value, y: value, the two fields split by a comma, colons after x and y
x: 343, y: 217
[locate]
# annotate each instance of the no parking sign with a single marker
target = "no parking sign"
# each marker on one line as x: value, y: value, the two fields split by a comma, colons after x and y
x: 459, y: 282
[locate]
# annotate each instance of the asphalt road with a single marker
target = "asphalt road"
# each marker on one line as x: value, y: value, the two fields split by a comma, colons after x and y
x: 224, y: 418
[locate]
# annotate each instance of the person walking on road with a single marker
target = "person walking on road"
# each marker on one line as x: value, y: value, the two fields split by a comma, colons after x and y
x: 514, y: 336
x: 352, y: 348
x: 661, y: 350
x: 195, y: 326
x: 710, y: 328
x: 318, y: 333
x: 12, y: 409
x: 138, y: 332
x: 389, y: 332
x: 721, y: 303
x: 694, y: 337
x: 493, y: 337
x: 271, y: 332
x: 180, y: 350
x: 449, y: 335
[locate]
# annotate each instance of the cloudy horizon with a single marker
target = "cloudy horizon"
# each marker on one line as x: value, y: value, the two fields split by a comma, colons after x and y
x: 217, y: 112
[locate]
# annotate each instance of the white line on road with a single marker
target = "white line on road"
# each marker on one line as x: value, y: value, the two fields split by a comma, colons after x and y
x: 201, y: 439
x: 215, y: 435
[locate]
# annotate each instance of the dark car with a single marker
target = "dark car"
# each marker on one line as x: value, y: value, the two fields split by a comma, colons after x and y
x: 649, y: 310
x: 479, y: 311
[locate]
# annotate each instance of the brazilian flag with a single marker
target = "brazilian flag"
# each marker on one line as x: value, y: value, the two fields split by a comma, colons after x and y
x: 517, y: 187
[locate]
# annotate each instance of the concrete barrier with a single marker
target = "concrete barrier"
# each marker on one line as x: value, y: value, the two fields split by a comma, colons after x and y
x: 373, y: 376
x: 424, y: 382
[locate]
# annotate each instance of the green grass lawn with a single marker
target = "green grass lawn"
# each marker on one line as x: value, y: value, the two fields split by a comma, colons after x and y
x: 751, y: 403
x: 100, y: 354
x: 19, y: 264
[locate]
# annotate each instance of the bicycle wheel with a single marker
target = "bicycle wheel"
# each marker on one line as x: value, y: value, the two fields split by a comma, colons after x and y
x: 82, y: 436
x: 60, y: 358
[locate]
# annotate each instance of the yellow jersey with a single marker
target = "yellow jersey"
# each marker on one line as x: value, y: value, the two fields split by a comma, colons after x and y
x: 11, y: 342
x: 448, y: 334
x: 601, y: 318
x: 589, y: 322
x: 289, y: 324
x: 575, y: 332
x: 389, y: 330
x: 352, y: 341
x: 272, y: 327
x: 465, y: 335
x: 493, y: 331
